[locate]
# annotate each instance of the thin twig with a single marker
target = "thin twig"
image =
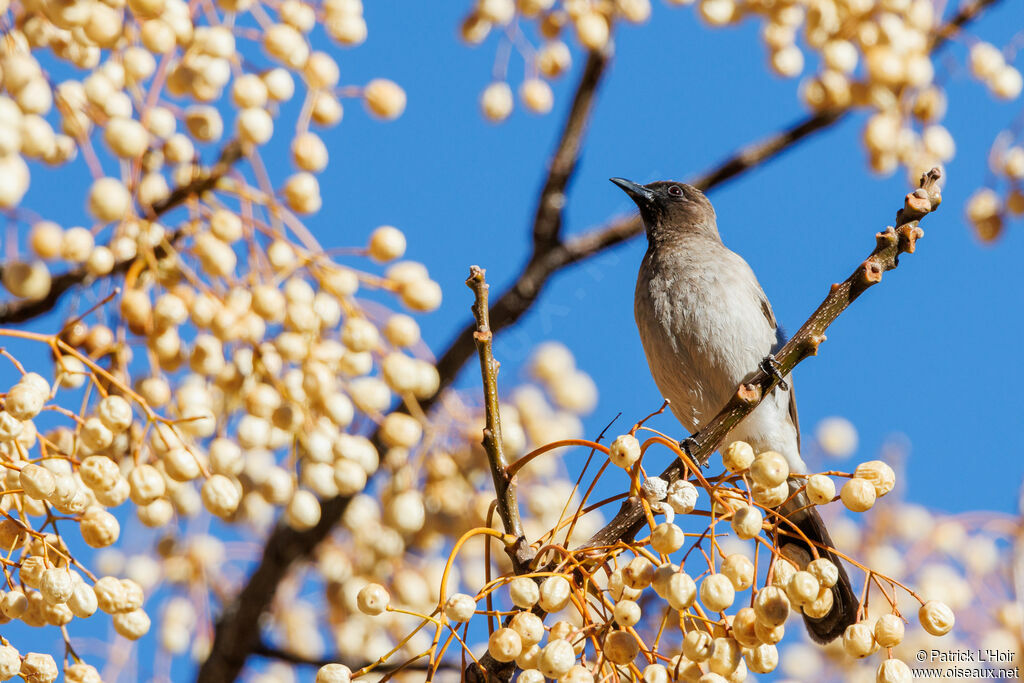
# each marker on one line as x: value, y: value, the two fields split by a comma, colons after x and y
x: 504, y: 484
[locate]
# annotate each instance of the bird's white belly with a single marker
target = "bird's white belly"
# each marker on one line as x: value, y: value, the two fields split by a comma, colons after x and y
x: 700, y: 348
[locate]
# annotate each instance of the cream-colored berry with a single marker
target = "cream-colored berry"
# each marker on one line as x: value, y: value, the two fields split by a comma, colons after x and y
x: 680, y: 591
x: 738, y: 456
x: 24, y: 401
x: 726, y: 656
x: 530, y: 629
x: 303, y: 510
x: 254, y: 125
x: 460, y: 607
x: 803, y: 588
x: 132, y: 625
x: 95, y: 435
x: 387, y: 243
x: 624, y: 451
x: 496, y: 101
x: 682, y: 497
x: 39, y: 668
x: 309, y: 152
x: 936, y: 617
x: 893, y: 671
x: 740, y: 571
x: 37, y: 482
x: 109, y: 199
x: 820, y: 489
x: 638, y: 573
x: 373, y: 599
x: 762, y: 658
x: 769, y: 469
x: 302, y: 192
x: 556, y: 658
x: 147, y: 484
x: 771, y: 606
x: 46, y: 238
x: 985, y: 60
x: 504, y: 645
x: 620, y: 647
x: 825, y: 571
x: 384, y: 98
x: 858, y: 640
x: 879, y: 474
x: 536, y: 95
x: 554, y: 593
x: 592, y: 30
x: 717, y: 592
x: 334, y: 673
x: 858, y: 495
x: 220, y: 495
x: 56, y: 585
x: 747, y: 521
x: 697, y: 645
x: 81, y: 673
x: 421, y: 295
x: 626, y: 613
x: 667, y: 538
x: 524, y: 592
x: 889, y: 630
x: 99, y: 528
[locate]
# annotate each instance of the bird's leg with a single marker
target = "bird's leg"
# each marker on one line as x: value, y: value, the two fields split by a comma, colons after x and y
x: 689, y: 445
x: 772, y: 368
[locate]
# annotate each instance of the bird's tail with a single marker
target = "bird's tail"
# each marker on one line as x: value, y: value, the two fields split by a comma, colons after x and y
x: 844, y: 602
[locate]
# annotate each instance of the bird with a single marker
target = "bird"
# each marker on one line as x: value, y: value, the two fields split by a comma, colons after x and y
x: 706, y: 326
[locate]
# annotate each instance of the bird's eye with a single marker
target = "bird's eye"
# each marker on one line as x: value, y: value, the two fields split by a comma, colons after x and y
x: 675, y: 191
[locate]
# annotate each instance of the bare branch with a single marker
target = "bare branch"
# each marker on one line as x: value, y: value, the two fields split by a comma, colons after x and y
x: 504, y: 485
x: 889, y: 245
x: 21, y: 310
x: 547, y: 223
x: 268, y: 651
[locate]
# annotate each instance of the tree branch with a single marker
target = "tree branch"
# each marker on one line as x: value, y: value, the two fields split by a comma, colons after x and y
x: 547, y: 222
x: 268, y: 651
x: 885, y: 256
x: 20, y: 310
x: 504, y: 485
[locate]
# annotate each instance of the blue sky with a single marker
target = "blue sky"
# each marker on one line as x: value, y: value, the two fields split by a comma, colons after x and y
x: 930, y: 353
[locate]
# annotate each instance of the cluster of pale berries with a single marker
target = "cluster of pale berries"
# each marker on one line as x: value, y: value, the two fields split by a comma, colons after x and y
x: 122, y: 65
x: 47, y: 589
x: 281, y: 365
x: 986, y: 210
x: 742, y: 641
x: 874, y: 55
x: 400, y: 535
x: 591, y: 24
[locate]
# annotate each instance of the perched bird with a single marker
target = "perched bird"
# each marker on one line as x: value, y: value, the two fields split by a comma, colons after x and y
x: 706, y: 326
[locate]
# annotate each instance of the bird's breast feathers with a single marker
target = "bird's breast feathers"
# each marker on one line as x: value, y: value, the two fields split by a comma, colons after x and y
x: 703, y: 330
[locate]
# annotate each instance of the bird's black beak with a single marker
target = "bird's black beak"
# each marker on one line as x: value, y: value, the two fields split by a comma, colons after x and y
x: 638, y: 193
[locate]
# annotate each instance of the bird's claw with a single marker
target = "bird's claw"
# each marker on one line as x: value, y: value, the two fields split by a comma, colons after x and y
x: 689, y: 445
x: 773, y: 369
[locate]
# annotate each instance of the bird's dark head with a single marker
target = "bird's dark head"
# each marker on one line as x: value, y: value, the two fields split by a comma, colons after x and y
x: 671, y: 208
